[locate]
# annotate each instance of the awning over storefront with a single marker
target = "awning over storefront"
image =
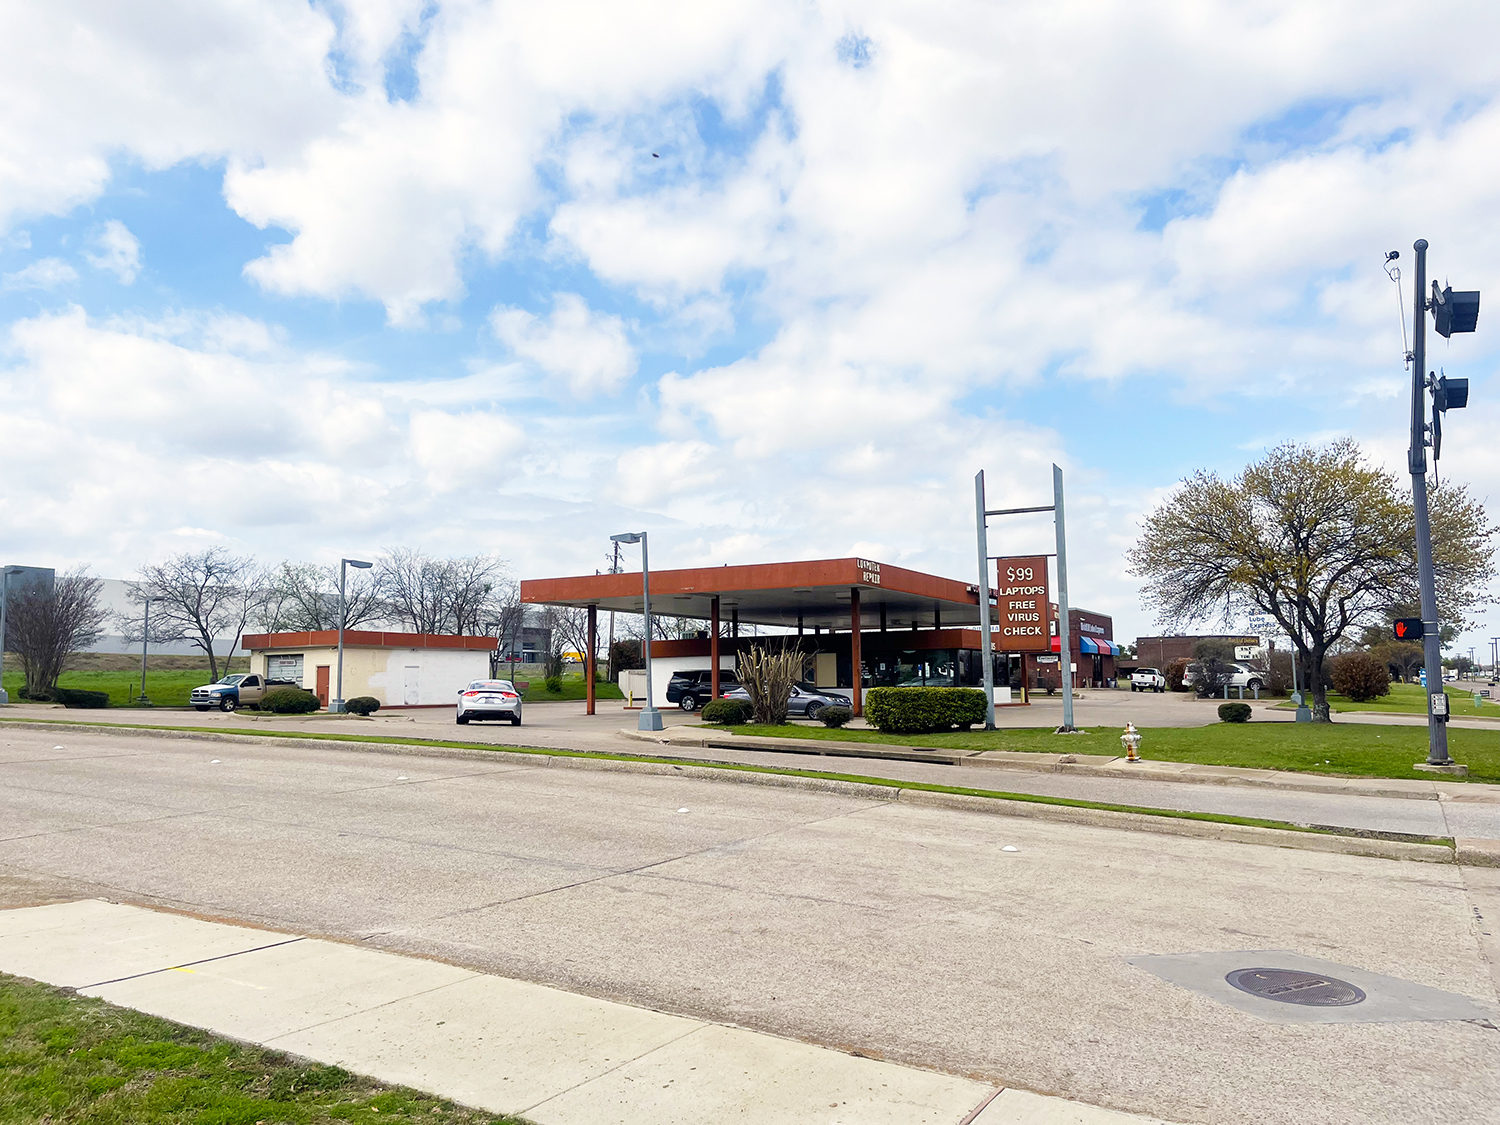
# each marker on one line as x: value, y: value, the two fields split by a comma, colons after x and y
x: 1090, y: 645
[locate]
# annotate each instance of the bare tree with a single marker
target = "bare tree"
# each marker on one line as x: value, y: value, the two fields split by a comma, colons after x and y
x: 306, y: 596
x: 45, y: 626
x: 203, y: 595
x: 570, y: 629
x: 428, y: 595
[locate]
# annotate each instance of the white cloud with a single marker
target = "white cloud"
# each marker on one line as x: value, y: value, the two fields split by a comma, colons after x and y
x: 588, y: 350
x: 119, y: 252
x: 45, y: 273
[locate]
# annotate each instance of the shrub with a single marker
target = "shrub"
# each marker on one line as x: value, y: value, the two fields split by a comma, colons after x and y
x: 71, y: 697
x: 553, y: 683
x: 914, y: 710
x: 768, y: 675
x: 835, y: 716
x: 39, y: 695
x: 728, y: 712
x: 1360, y: 676
x: 1234, y: 712
x: 362, y: 705
x: 1174, y: 673
x: 289, y: 701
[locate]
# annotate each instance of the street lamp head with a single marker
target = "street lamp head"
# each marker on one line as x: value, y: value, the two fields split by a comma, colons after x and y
x: 361, y: 565
x: 628, y: 537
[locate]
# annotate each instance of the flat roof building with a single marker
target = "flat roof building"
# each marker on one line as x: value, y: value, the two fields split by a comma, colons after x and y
x: 899, y: 627
x: 399, y: 669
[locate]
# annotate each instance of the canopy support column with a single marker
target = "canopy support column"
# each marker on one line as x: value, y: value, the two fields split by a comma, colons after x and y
x: 590, y: 658
x: 854, y: 653
x: 713, y: 648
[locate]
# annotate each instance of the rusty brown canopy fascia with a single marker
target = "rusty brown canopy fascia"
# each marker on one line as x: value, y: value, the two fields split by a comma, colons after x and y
x: 768, y: 593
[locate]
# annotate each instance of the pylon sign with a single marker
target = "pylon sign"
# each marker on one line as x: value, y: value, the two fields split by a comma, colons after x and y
x: 1024, y: 602
x: 1409, y: 629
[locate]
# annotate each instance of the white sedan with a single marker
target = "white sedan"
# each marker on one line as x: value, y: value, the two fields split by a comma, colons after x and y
x: 489, y: 699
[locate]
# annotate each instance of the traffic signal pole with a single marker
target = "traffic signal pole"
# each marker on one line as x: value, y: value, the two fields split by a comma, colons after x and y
x: 1437, y: 699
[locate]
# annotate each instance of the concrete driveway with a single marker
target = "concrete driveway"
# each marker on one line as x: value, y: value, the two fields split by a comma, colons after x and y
x: 897, y: 931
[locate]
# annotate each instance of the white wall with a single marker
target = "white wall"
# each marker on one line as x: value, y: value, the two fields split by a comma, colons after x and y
x: 440, y: 674
x: 662, y: 669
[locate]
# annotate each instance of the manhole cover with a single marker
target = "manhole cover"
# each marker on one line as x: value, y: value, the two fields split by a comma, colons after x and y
x: 1293, y: 986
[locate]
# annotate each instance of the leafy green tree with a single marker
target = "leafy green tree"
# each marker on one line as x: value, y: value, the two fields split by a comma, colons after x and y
x: 1316, y: 538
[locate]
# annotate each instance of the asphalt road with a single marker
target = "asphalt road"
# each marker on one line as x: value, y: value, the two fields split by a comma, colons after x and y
x: 894, y: 930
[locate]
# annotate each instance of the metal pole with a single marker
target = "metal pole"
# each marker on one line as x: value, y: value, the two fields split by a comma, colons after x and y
x: 4, y: 602
x: 1437, y: 729
x: 145, y: 640
x: 337, y: 707
x: 1065, y: 657
x: 986, y: 640
x: 650, y: 716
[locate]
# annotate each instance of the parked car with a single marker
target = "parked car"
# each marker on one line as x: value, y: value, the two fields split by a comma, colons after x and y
x: 243, y: 689
x: 693, y: 688
x: 489, y: 699
x: 1234, y: 675
x: 1148, y: 679
x: 805, y: 700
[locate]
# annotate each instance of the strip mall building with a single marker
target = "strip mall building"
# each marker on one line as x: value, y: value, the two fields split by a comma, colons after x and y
x: 902, y: 628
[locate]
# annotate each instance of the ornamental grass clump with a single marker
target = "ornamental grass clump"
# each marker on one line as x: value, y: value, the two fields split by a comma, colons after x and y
x: 769, y: 674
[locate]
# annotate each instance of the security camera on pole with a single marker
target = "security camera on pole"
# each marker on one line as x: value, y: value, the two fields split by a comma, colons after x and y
x: 1451, y: 312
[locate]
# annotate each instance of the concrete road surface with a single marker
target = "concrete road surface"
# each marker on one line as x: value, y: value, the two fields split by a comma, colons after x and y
x: 897, y: 931
x: 565, y: 726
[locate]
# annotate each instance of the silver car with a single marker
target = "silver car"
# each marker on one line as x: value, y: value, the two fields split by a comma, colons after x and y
x: 805, y: 700
x: 489, y: 699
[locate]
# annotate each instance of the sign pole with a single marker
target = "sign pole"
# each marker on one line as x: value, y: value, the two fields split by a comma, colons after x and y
x: 1065, y: 655
x: 986, y: 641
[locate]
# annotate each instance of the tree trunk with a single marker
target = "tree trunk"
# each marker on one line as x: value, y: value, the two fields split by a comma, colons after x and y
x: 1320, y: 709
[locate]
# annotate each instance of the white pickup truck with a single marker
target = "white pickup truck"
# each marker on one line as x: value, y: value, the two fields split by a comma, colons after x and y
x: 1148, y: 679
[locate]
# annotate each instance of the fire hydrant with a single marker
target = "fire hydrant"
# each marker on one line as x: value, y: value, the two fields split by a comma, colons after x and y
x: 1132, y: 741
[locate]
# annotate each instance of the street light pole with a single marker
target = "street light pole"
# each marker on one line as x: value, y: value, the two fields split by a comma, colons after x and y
x: 336, y: 707
x: 4, y: 602
x: 650, y: 717
x: 145, y: 641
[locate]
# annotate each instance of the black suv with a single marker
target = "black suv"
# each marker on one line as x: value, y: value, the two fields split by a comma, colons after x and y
x: 690, y: 690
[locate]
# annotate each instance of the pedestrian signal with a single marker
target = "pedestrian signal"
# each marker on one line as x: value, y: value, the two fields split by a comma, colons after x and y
x: 1409, y: 629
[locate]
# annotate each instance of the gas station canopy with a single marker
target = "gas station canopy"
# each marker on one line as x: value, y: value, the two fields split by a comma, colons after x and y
x: 789, y: 595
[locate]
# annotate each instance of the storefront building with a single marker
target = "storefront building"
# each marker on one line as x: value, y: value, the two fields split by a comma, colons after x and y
x: 901, y: 628
x: 399, y: 669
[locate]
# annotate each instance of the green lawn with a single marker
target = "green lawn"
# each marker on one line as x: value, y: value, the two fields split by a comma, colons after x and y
x: 165, y: 688
x: 573, y: 687
x: 1329, y: 748
x: 66, y: 1058
x: 1410, y: 699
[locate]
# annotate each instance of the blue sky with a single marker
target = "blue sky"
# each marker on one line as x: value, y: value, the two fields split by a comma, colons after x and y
x: 317, y: 279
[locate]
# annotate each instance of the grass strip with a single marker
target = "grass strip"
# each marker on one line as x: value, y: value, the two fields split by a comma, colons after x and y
x: 782, y: 771
x: 1346, y: 749
x: 70, y: 1058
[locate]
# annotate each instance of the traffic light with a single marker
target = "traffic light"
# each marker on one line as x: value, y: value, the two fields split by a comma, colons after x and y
x: 1454, y: 312
x: 1409, y: 629
x: 1450, y: 394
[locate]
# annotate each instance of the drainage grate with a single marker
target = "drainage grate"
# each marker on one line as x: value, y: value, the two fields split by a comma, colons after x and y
x: 1293, y: 986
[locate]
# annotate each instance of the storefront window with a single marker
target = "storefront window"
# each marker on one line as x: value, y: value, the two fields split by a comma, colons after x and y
x: 935, y: 668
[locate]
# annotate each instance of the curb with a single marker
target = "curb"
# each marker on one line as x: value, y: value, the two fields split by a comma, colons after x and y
x: 1024, y: 762
x: 1472, y: 852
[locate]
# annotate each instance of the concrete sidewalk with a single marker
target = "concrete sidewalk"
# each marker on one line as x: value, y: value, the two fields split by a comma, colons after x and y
x: 502, y: 1045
